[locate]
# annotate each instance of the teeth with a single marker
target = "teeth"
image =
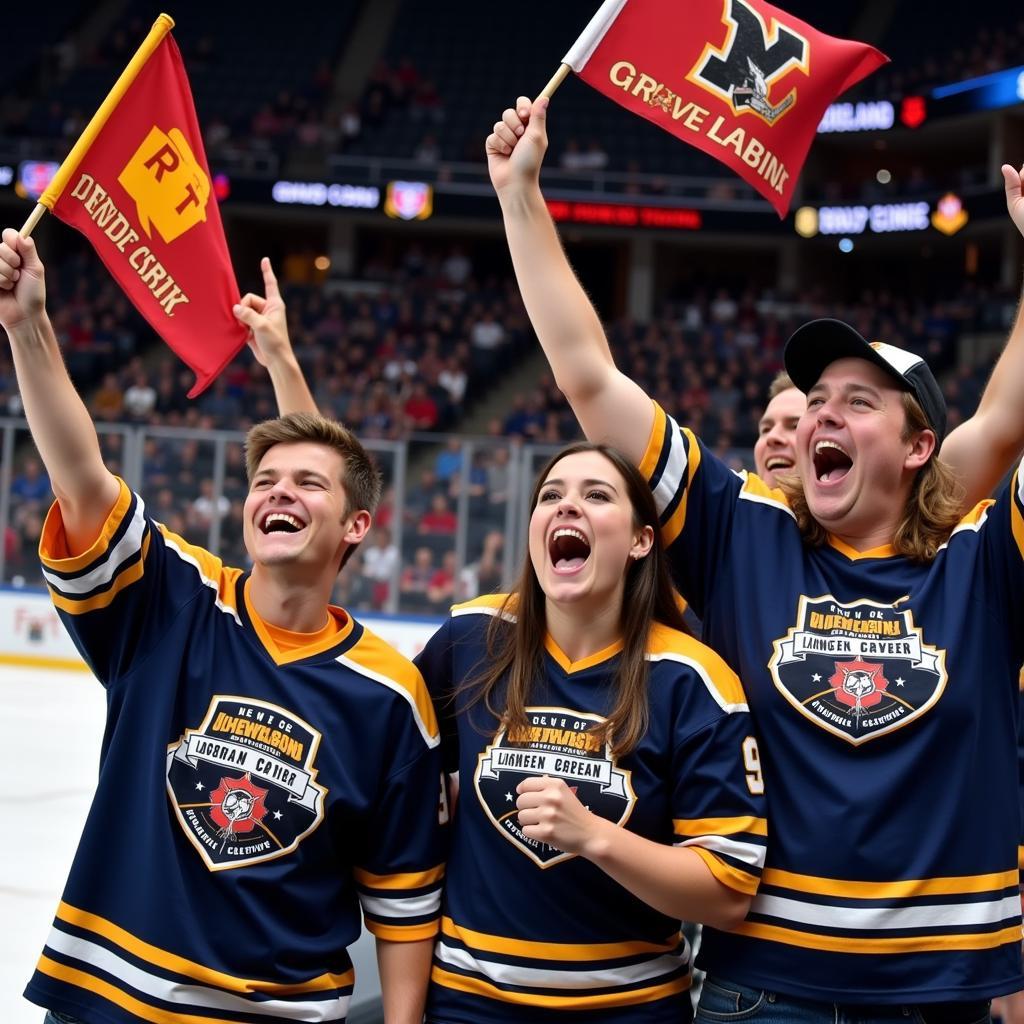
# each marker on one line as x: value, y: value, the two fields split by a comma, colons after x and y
x: 568, y: 531
x: 281, y: 517
x: 822, y: 445
x: 779, y: 463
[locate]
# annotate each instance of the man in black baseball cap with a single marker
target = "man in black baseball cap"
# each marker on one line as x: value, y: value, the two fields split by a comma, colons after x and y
x: 820, y: 342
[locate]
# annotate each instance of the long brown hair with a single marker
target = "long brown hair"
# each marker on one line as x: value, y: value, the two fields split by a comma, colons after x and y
x: 515, y: 650
x: 933, y: 507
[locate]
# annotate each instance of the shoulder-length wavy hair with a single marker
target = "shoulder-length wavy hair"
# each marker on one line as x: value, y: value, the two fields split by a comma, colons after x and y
x: 932, y: 510
x: 515, y: 651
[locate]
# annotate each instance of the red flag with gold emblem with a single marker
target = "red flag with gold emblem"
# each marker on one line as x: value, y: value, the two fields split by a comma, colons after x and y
x: 739, y: 79
x: 137, y: 185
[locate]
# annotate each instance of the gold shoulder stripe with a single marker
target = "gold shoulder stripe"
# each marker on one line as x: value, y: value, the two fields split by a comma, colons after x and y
x: 978, y: 513
x: 210, y: 567
x: 410, y: 880
x: 720, y: 826
x: 910, y: 887
x: 486, y: 604
x: 654, y: 443
x: 575, y: 951
x: 103, y: 599
x: 377, y: 660
x: 755, y: 488
x: 190, y: 969
x: 667, y: 643
x: 729, y: 876
x: 53, y: 544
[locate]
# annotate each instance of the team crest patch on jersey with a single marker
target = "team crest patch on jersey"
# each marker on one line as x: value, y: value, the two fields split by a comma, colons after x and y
x: 558, y: 744
x: 243, y: 783
x: 858, y: 670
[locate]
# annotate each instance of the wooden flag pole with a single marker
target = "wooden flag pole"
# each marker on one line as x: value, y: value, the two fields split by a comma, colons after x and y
x: 163, y: 24
x: 33, y: 219
x: 556, y: 80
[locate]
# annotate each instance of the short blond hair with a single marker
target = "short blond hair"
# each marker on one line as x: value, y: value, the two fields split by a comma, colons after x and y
x: 781, y: 382
x: 361, y: 480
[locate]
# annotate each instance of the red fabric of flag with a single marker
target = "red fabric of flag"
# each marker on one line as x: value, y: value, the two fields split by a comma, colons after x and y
x: 143, y: 196
x: 739, y: 79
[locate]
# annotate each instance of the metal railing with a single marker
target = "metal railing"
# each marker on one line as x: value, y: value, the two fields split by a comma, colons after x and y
x: 178, y: 470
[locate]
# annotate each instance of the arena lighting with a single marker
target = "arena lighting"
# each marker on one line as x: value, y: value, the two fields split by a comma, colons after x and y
x: 883, y: 177
x: 913, y: 111
x: 321, y: 193
x: 846, y: 245
x: 949, y: 216
x: 805, y: 221
x: 877, y: 219
x: 858, y: 117
x: 322, y: 263
x: 625, y: 215
x: 6, y: 174
x: 33, y: 177
x: 409, y: 200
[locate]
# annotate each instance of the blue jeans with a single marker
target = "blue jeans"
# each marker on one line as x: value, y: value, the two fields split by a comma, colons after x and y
x: 723, y: 1001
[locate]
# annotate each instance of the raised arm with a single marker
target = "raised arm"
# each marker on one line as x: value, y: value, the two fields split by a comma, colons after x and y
x: 267, y: 320
x: 984, y: 448
x: 609, y: 406
x: 61, y: 427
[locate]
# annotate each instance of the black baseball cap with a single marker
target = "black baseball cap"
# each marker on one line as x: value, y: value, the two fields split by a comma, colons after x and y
x: 820, y: 342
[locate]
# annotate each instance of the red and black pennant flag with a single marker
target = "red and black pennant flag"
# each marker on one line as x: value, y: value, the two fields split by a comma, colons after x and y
x: 739, y: 79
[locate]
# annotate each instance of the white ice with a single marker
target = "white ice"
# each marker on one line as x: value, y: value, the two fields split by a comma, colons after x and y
x: 49, y: 759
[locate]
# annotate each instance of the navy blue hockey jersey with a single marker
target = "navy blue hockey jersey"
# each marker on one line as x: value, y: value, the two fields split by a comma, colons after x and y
x: 250, y: 802
x: 529, y: 932
x: 885, y: 697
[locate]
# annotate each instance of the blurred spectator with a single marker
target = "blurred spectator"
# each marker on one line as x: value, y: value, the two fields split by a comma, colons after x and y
x: 415, y: 582
x: 32, y: 484
x: 380, y: 565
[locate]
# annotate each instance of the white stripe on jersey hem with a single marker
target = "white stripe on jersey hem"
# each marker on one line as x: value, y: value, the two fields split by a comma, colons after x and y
x: 115, y: 557
x: 886, y: 918
x: 93, y: 955
x: 431, y: 741
x: 748, y: 853
x: 483, y: 610
x: 398, y: 907
x: 573, y: 979
x: 675, y: 466
x: 214, y: 585
x: 705, y: 678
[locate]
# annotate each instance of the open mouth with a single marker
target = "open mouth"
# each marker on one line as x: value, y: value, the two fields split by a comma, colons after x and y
x: 779, y: 463
x: 569, y: 549
x: 831, y: 462
x: 281, y: 522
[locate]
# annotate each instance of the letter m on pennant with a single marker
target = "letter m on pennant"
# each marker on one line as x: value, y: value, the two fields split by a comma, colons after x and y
x: 753, y: 57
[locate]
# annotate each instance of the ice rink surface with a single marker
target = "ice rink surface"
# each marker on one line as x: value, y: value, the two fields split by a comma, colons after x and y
x: 49, y: 756
x: 49, y: 759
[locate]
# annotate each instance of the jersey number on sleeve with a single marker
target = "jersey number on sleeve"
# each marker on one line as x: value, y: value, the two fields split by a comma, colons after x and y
x: 752, y: 762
